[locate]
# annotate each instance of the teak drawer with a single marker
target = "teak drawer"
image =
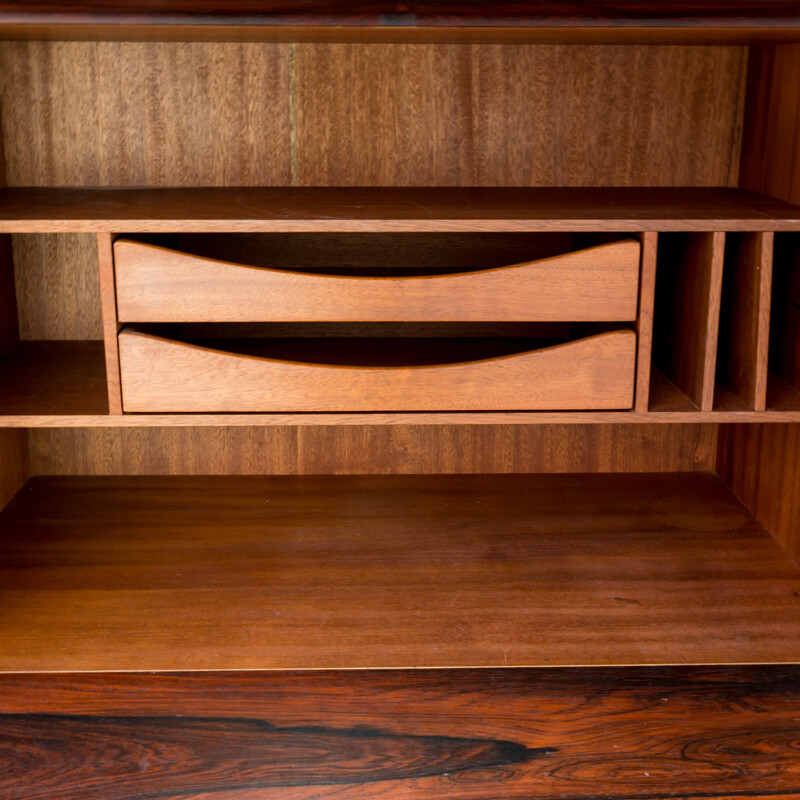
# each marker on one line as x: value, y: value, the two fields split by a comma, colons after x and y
x: 163, y: 375
x: 155, y: 284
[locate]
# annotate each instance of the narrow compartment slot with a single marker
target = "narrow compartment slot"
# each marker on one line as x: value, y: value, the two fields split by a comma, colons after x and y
x: 744, y: 323
x: 686, y: 324
x: 783, y: 385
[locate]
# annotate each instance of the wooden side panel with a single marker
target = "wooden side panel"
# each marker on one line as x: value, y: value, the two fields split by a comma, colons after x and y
x: 744, y: 328
x: 687, y: 316
x: 13, y: 443
x: 762, y: 462
x: 373, y: 450
x: 405, y: 735
x: 770, y: 151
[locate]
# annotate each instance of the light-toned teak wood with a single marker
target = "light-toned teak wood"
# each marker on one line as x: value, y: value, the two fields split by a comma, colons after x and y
x: 409, y: 448
x: 744, y: 333
x: 160, y: 374
x: 389, y: 572
x: 111, y: 327
x: 139, y: 114
x: 392, y: 210
x: 690, y: 285
x: 644, y: 319
x: 155, y: 284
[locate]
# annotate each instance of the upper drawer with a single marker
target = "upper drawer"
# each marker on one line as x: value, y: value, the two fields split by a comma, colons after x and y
x: 155, y: 284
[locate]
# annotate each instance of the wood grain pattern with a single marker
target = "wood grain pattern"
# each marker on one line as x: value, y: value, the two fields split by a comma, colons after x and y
x: 644, y: 320
x: 159, y: 114
x: 9, y: 327
x: 80, y: 114
x: 406, y: 448
x: 58, y: 290
x: 397, y: 571
x: 688, y: 732
x: 156, y: 284
x: 494, y: 116
x: 770, y: 158
x: 160, y: 374
x: 687, y: 318
x: 744, y: 327
x: 111, y: 327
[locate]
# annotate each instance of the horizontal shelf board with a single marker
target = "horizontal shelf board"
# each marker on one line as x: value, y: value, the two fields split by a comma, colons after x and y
x: 429, y: 209
x: 395, y: 572
x: 62, y: 385
x: 378, y: 13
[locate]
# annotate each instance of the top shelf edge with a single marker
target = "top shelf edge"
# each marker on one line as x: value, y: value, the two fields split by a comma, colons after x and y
x: 372, y: 20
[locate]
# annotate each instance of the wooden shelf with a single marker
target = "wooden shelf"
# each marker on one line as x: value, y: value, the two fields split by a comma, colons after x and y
x: 408, y: 571
x: 62, y: 385
x: 368, y: 20
x: 391, y: 209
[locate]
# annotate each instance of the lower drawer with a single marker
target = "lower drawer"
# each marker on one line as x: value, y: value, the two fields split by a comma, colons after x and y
x: 165, y: 375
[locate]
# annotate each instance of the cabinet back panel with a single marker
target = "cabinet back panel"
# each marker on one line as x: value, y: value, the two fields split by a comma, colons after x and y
x: 372, y: 450
x: 123, y: 113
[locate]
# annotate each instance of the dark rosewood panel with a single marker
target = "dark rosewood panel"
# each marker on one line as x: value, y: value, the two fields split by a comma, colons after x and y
x: 547, y: 13
x: 436, y: 734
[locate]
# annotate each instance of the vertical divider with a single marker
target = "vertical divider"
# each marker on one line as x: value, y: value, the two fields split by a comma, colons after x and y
x: 688, y: 297
x: 644, y: 323
x: 108, y: 300
x: 744, y: 350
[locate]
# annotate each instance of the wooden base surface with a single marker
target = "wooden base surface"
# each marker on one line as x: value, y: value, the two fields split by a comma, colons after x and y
x: 335, y: 572
x: 434, y: 735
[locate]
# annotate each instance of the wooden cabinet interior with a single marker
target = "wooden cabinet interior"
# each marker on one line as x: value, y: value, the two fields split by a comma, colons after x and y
x: 306, y: 139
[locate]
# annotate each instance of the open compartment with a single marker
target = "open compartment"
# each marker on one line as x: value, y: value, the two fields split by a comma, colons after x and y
x: 784, y: 344
x: 744, y: 324
x: 53, y: 359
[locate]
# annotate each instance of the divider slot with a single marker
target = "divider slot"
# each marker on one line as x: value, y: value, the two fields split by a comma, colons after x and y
x: 744, y: 322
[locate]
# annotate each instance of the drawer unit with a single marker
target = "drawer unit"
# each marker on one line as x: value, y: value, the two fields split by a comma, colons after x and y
x: 156, y: 284
x: 161, y: 374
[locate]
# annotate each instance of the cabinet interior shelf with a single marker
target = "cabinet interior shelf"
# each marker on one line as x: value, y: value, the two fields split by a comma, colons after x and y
x: 391, y: 210
x: 401, y: 571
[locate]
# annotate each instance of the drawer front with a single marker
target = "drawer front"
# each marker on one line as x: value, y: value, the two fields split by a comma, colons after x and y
x: 155, y: 284
x: 163, y: 375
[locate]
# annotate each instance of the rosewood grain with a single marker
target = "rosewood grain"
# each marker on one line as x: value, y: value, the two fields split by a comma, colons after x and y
x: 442, y: 734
